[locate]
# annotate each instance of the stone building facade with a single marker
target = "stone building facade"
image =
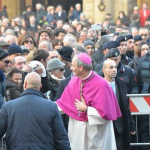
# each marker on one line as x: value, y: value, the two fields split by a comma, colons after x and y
x: 90, y: 7
x: 113, y: 7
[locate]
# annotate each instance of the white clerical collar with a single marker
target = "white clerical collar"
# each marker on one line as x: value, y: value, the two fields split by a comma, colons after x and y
x: 59, y: 13
x: 87, y: 75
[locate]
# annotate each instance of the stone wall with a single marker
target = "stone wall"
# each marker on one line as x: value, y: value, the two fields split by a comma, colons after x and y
x: 90, y: 8
x: 14, y: 8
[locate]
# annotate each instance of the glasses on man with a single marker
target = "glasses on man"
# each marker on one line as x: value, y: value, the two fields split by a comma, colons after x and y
x: 5, y: 48
x: 61, y: 69
x: 31, y: 42
x: 6, y: 61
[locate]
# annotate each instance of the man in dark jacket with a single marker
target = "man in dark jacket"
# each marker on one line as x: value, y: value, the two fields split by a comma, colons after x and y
x: 123, y: 49
x: 61, y: 88
x: 32, y: 121
x: 76, y: 13
x: 121, y: 125
x: 4, y: 64
x: 39, y: 12
x: 143, y: 69
x: 123, y: 72
x: 60, y: 14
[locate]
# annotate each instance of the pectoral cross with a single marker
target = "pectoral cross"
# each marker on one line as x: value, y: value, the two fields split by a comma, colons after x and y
x: 79, y: 112
x: 81, y: 98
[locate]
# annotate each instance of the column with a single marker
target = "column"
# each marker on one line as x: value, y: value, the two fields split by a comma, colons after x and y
x: 88, y: 8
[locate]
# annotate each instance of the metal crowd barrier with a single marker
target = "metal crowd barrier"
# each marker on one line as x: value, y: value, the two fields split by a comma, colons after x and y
x: 2, y: 147
x: 139, y: 105
x: 2, y: 143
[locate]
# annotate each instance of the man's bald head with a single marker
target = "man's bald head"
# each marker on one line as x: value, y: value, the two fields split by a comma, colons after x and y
x: 109, y: 70
x: 107, y: 62
x: 32, y: 81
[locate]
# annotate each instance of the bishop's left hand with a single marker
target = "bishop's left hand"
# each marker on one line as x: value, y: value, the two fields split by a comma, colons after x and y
x: 80, y: 105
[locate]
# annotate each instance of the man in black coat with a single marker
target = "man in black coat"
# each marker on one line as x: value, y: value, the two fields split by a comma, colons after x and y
x: 60, y: 14
x: 39, y: 12
x: 32, y: 121
x: 4, y: 65
x: 143, y: 78
x: 121, y: 125
x: 123, y: 72
x: 61, y: 88
x: 33, y: 25
x: 123, y: 49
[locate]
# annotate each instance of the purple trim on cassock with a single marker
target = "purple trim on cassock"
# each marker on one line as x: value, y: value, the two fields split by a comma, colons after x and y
x: 97, y: 93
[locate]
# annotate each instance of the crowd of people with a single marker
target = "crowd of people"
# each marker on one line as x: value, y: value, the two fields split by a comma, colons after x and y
x: 84, y: 69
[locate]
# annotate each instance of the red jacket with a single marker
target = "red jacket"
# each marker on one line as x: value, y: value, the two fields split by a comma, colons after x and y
x: 142, y: 17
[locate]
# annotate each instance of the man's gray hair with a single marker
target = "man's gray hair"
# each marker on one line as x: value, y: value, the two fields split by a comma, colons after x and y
x: 9, y: 32
x: 66, y: 27
x: 60, y: 7
x: 49, y: 45
x: 79, y: 48
x: 70, y: 40
x: 39, y: 5
x: 78, y: 5
x: 80, y: 63
x: 6, y: 20
x: 104, y: 39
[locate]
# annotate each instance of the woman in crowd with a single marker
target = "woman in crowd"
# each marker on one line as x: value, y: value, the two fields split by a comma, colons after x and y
x: 123, y: 17
x: 56, y: 73
x: 14, y: 26
x: 29, y: 42
x: 2, y: 31
x: 57, y: 44
x: 79, y: 27
x: 142, y: 49
x: 13, y: 83
x: 24, y: 23
x: 71, y: 9
x: 50, y: 14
